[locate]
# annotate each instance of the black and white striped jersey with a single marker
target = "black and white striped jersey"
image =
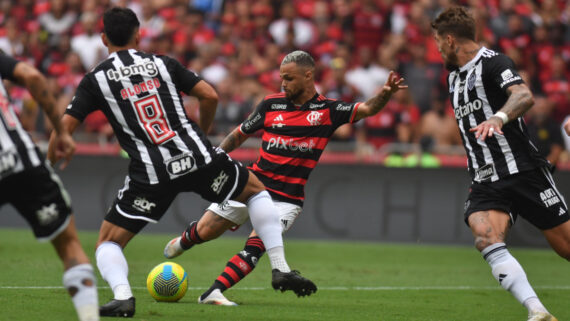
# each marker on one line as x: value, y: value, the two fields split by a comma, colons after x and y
x: 17, y: 150
x: 478, y: 90
x: 139, y: 93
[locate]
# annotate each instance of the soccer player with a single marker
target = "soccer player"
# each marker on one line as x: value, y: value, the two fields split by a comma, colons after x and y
x: 28, y: 182
x: 509, y: 177
x: 296, y: 125
x: 139, y: 94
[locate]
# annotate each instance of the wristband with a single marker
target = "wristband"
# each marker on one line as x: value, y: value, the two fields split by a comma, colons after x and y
x: 502, y: 116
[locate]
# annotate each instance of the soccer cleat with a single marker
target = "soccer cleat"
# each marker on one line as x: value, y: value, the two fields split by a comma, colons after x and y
x: 292, y: 281
x: 118, y: 308
x: 173, y: 248
x: 541, y: 316
x: 216, y: 298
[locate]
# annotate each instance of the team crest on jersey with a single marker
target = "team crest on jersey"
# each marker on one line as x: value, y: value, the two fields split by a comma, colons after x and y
x: 471, y: 81
x: 315, y: 118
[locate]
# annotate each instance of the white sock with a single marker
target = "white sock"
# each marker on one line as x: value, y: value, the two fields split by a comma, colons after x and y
x: 277, y: 259
x: 265, y: 220
x: 510, y: 274
x: 81, y: 284
x: 114, y: 269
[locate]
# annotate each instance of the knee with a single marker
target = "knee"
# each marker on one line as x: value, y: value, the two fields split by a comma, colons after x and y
x: 485, y: 237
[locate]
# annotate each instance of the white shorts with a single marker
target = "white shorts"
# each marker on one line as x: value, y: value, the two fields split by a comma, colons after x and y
x: 237, y: 212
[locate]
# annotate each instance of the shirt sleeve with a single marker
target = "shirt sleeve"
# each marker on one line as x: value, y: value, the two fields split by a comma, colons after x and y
x: 183, y: 78
x: 7, y: 66
x: 343, y: 112
x: 84, y: 102
x: 255, y: 120
x: 502, y: 72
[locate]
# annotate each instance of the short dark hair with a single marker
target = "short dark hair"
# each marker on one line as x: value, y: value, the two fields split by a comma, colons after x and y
x: 119, y: 24
x: 456, y: 21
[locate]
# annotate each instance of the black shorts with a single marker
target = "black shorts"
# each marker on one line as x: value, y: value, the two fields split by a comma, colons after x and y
x: 137, y: 203
x: 40, y: 198
x: 531, y: 194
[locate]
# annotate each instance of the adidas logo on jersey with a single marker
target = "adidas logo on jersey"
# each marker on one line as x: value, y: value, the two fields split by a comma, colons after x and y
x: 278, y: 118
x: 276, y: 122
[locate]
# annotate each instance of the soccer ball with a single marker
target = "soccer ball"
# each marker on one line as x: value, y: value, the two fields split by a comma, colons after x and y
x: 167, y: 282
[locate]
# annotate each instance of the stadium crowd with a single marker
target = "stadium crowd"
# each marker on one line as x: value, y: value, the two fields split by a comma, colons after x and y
x: 237, y: 45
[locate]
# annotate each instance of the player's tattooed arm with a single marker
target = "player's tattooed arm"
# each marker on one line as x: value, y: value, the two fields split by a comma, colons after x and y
x: 519, y: 102
x: 233, y: 140
x: 373, y: 105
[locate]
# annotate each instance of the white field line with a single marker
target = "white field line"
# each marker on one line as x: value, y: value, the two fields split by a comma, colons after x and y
x: 331, y: 288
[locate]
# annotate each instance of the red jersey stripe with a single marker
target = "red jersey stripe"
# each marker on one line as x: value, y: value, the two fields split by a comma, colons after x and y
x: 281, y: 178
x: 284, y: 194
x: 284, y: 160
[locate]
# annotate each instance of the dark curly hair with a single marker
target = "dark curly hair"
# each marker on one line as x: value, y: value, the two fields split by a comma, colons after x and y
x: 456, y: 21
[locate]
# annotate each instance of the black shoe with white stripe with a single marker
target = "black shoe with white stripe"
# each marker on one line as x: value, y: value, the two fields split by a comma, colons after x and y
x: 118, y: 308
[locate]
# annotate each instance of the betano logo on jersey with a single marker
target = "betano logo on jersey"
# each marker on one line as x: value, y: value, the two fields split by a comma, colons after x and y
x: 147, y: 68
x: 290, y: 144
x: 468, y: 108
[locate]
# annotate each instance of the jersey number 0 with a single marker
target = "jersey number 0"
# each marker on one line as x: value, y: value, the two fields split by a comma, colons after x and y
x: 151, y: 115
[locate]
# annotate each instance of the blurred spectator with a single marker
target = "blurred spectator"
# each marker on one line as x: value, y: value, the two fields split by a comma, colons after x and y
x: 290, y: 29
x: 394, y: 123
x: 439, y: 126
x: 12, y: 41
x: 88, y: 45
x: 368, y: 24
x: 151, y: 24
x: 423, y: 77
x: 334, y: 83
x: 232, y: 109
x: 557, y: 87
x: 543, y: 130
x: 366, y: 75
x: 57, y: 21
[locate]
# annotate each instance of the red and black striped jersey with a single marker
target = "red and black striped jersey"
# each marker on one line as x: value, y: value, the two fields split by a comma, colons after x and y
x: 293, y: 140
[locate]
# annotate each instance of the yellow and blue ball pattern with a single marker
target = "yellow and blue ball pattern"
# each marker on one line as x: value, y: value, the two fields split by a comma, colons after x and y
x: 167, y: 282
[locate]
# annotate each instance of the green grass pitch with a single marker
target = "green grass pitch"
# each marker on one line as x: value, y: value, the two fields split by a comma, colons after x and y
x: 357, y: 281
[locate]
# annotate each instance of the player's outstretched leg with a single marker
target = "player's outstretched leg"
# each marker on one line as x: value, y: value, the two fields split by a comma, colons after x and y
x: 78, y: 278
x: 178, y: 245
x: 237, y: 268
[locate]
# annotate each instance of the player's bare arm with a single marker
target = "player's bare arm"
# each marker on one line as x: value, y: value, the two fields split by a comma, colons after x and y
x: 233, y: 140
x: 68, y: 125
x: 31, y: 78
x: 208, y: 99
x: 519, y: 102
x: 376, y: 103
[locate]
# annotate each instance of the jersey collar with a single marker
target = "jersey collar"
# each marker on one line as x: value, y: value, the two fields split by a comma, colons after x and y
x: 315, y: 97
x: 470, y: 64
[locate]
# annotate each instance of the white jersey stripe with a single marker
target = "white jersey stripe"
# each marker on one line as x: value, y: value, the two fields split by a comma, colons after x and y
x: 468, y: 147
x: 104, y: 85
x: 503, y: 143
x: 127, y: 83
x: 172, y: 89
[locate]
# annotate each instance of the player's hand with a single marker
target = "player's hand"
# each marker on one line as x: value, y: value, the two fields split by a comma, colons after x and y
x: 394, y: 83
x: 567, y: 127
x: 488, y: 128
x: 62, y: 146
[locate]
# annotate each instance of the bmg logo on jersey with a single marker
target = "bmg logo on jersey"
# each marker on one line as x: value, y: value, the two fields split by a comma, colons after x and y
x: 143, y: 205
x: 467, y: 109
x: 148, y: 68
x: 181, y: 164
